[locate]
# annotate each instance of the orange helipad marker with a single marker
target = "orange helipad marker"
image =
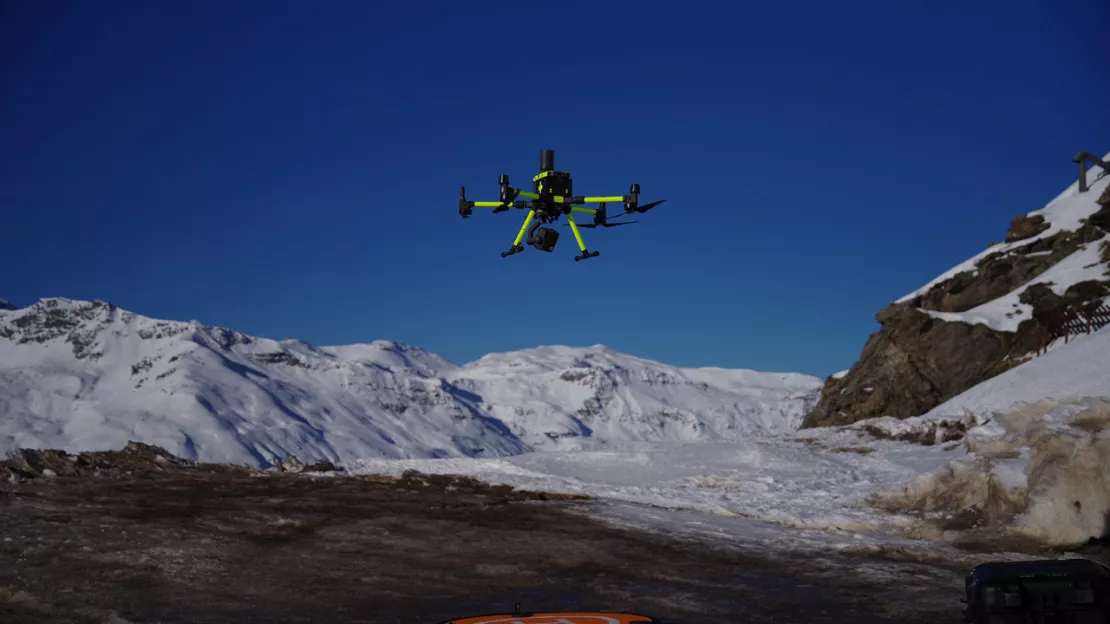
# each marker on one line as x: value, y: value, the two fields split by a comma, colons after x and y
x: 555, y: 618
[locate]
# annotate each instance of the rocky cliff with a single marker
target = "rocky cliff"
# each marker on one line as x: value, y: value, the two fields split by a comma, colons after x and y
x: 981, y: 318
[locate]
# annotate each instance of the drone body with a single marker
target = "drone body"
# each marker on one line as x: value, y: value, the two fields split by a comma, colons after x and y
x: 552, y: 196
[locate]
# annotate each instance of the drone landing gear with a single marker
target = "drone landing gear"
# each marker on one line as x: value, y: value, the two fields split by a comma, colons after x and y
x: 578, y: 237
x: 517, y: 247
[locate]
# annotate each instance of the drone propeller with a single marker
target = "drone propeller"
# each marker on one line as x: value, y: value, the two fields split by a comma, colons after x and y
x: 594, y: 225
x: 645, y: 207
x: 601, y: 220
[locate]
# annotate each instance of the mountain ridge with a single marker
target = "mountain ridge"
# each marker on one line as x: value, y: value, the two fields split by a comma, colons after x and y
x: 92, y: 376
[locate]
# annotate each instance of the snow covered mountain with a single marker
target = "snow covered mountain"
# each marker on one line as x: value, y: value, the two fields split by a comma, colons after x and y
x: 90, y: 376
x: 561, y: 396
x: 982, y: 317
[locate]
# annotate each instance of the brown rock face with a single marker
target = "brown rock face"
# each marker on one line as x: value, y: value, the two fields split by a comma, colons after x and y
x: 999, y: 273
x: 914, y: 363
x: 1024, y: 226
x: 1104, y: 199
x: 1102, y: 217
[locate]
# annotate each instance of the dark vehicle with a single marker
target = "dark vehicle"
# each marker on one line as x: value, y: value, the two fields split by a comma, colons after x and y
x: 1066, y: 591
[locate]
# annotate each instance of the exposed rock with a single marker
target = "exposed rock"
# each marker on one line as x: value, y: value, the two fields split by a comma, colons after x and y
x: 1045, y: 302
x: 1102, y: 217
x: 1082, y: 295
x: 999, y: 273
x: 937, y: 432
x: 136, y: 457
x: 322, y: 465
x: 1025, y: 226
x: 914, y: 363
x: 1051, y: 309
x: 290, y: 464
x: 280, y: 357
x: 1104, y: 199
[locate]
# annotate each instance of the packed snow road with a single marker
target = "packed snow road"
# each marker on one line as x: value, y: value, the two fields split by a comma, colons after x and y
x: 231, y: 545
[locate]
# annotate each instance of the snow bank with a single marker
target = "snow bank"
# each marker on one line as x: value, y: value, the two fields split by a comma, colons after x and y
x: 1078, y: 369
x: 1037, y: 473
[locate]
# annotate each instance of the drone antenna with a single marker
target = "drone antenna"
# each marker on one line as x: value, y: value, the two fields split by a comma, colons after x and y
x: 547, y: 160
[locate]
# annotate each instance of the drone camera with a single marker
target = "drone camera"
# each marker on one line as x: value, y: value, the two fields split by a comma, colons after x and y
x: 545, y: 239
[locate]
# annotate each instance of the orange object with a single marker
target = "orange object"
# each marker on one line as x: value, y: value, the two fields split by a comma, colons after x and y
x: 555, y: 618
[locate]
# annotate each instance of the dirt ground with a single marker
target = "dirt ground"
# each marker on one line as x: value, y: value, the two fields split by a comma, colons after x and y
x: 224, y: 545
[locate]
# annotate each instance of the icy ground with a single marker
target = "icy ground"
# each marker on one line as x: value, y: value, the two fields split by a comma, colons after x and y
x: 811, y: 488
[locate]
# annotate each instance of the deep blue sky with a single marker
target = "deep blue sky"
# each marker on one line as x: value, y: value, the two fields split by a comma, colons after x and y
x: 291, y: 169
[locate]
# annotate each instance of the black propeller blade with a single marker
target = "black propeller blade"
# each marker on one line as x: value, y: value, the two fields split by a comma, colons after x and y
x: 647, y: 207
x: 590, y: 226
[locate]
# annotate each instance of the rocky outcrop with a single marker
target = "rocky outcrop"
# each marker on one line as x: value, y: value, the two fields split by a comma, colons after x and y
x: 1025, y: 226
x: 918, y: 360
x: 914, y: 363
x: 999, y: 273
x: 134, y: 458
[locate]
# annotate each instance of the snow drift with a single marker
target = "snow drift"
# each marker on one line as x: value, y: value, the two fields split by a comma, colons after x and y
x: 1037, y: 473
x: 1037, y: 449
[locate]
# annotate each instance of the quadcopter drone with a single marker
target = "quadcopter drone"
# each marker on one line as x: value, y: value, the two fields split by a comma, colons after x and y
x: 551, y: 197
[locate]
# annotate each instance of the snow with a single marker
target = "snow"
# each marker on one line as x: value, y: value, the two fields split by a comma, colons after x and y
x: 775, y: 479
x: 1007, y: 312
x: 1080, y: 368
x: 1064, y: 213
x: 215, y: 394
x: 687, y: 451
x: 617, y: 397
x: 820, y: 488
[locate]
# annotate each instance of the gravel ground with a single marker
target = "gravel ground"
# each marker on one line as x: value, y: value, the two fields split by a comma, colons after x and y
x: 162, y: 541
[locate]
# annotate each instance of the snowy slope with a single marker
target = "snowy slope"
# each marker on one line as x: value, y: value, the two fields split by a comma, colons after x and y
x: 1077, y: 370
x: 827, y: 481
x: 1064, y: 213
x: 89, y: 376
x: 80, y: 375
x: 563, y: 397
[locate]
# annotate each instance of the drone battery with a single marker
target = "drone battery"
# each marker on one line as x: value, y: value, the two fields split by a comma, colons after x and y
x: 545, y: 239
x: 555, y: 183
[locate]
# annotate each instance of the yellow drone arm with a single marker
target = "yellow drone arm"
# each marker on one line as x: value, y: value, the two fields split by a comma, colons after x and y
x: 591, y: 200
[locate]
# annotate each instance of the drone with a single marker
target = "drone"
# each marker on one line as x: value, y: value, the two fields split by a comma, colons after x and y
x: 551, y: 197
